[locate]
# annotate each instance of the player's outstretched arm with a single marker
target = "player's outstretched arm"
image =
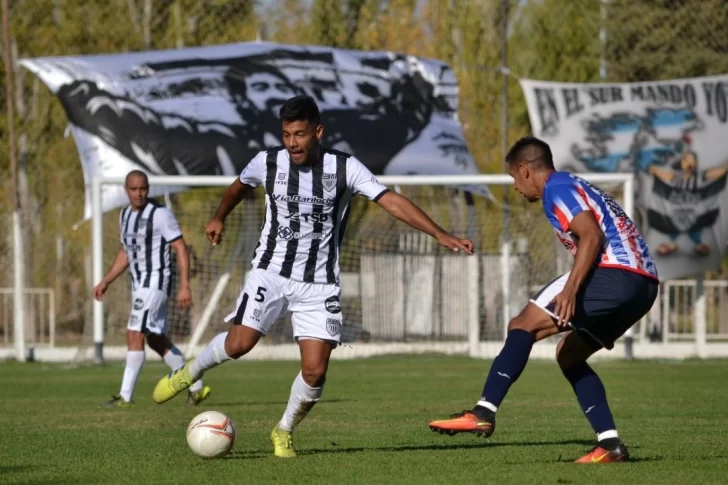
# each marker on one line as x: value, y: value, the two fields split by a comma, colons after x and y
x: 230, y: 199
x: 406, y: 211
x: 585, y: 228
x: 184, y: 293
x: 117, y: 268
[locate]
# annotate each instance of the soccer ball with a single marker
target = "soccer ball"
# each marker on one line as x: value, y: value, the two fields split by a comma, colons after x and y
x: 211, y: 435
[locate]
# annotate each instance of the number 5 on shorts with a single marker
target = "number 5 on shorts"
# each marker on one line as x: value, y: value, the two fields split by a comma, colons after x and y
x: 259, y: 295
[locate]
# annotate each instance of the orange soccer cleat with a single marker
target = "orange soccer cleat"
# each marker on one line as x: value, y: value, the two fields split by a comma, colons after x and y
x: 464, y: 422
x: 602, y: 455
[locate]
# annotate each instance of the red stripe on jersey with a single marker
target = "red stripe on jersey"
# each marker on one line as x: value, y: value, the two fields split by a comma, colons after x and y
x: 563, y: 220
x: 582, y: 192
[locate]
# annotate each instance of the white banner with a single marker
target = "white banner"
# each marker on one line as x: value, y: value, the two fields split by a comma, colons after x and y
x: 673, y: 134
x: 209, y: 110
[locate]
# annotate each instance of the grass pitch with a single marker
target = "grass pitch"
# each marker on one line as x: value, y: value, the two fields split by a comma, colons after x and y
x: 370, y: 427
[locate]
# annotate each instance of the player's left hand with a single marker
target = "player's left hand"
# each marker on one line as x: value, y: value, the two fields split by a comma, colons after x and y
x: 455, y: 244
x: 565, y: 306
x: 184, y: 298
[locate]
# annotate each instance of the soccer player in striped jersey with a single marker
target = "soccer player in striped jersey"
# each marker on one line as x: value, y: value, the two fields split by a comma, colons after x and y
x: 147, y: 231
x: 296, y: 263
x: 612, y: 285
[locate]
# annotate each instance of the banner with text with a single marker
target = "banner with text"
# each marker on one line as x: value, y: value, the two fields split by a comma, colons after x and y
x: 209, y: 110
x: 672, y: 134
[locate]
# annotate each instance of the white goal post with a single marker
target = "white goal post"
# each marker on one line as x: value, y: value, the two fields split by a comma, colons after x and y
x: 474, y: 343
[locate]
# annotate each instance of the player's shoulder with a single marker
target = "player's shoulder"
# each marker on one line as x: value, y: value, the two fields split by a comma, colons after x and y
x: 262, y: 156
x: 560, y: 178
x: 272, y: 150
x: 161, y: 211
x: 338, y: 153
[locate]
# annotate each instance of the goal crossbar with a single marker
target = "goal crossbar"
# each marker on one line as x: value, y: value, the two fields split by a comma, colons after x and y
x: 191, y: 181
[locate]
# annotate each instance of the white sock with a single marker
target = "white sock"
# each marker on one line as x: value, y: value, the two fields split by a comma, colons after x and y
x: 488, y: 405
x: 134, y: 363
x: 175, y: 359
x: 212, y: 356
x: 302, y: 400
x: 612, y: 433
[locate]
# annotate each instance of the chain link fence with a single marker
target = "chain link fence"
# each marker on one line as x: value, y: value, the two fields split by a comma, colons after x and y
x: 489, y: 43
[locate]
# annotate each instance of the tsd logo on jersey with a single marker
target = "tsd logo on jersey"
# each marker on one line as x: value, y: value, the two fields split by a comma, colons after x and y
x: 256, y: 315
x: 332, y: 305
x: 329, y: 181
x: 138, y: 304
x: 333, y: 326
x: 281, y: 179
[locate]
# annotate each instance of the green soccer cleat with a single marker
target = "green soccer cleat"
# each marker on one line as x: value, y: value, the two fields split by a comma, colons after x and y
x: 118, y: 402
x: 195, y: 398
x: 172, y: 384
x: 282, y: 443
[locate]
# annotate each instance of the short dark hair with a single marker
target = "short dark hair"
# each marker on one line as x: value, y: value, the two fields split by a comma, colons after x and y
x: 136, y: 173
x: 531, y: 150
x: 300, y: 108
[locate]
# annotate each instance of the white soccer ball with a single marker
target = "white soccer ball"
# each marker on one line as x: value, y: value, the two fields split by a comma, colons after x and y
x: 211, y: 435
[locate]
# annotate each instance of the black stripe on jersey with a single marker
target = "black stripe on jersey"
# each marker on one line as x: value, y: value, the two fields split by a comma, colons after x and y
x: 162, y: 261
x: 148, y: 247
x: 134, y: 243
x: 295, y: 222
x: 309, y: 274
x: 270, y: 180
x: 340, y: 190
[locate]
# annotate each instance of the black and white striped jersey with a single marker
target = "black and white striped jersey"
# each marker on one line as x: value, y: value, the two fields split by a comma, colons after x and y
x: 306, y: 209
x: 146, y: 236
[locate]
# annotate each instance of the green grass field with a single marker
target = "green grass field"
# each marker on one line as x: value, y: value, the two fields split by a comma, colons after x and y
x: 371, y: 426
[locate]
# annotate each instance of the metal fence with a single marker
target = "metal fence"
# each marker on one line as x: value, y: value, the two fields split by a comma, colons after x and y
x: 489, y: 44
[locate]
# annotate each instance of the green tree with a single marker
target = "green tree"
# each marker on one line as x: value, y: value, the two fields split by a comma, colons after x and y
x: 666, y: 39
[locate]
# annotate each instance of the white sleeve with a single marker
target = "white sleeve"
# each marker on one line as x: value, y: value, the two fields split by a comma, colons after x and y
x: 362, y: 182
x: 254, y: 172
x: 168, y: 225
x: 121, y: 226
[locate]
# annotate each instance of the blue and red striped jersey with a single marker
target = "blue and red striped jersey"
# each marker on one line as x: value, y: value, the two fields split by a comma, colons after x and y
x: 565, y: 195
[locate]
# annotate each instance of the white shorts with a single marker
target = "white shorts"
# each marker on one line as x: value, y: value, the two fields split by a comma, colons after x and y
x: 148, y: 311
x: 315, y: 307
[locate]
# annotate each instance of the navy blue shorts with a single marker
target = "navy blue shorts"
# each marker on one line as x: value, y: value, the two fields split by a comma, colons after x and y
x: 610, y: 301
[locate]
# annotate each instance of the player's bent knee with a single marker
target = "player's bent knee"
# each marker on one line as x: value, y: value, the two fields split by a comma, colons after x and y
x: 314, y: 376
x: 240, y: 340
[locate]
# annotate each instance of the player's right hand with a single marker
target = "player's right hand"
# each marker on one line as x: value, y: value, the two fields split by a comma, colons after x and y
x: 455, y: 244
x: 214, y: 229
x: 100, y: 290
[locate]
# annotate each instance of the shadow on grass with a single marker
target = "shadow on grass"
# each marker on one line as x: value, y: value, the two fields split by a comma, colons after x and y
x: 213, y: 404
x: 446, y: 447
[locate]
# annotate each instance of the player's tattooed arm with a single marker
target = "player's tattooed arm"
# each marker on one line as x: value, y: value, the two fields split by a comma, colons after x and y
x: 235, y: 193
x: 406, y: 211
x: 585, y: 229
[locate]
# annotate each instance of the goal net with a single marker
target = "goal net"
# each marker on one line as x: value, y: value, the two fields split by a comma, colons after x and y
x: 398, y: 285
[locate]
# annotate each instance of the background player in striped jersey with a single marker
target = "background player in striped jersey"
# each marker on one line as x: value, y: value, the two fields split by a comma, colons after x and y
x: 147, y: 231
x: 296, y: 262
x: 612, y: 284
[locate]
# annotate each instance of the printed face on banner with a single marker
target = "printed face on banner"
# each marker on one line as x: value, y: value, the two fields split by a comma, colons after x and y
x: 210, y: 110
x: 666, y: 133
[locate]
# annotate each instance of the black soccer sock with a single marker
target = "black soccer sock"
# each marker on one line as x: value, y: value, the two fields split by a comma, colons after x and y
x: 592, y: 397
x: 506, y: 368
